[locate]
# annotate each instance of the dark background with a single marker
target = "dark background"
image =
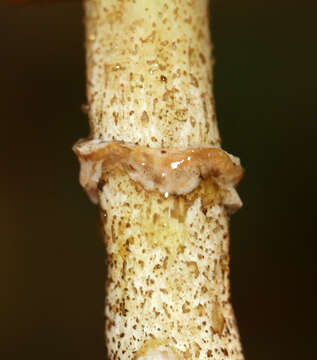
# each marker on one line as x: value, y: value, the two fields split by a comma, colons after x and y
x: 51, y: 251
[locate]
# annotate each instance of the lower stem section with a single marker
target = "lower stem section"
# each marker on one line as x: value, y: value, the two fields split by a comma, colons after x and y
x: 167, y: 287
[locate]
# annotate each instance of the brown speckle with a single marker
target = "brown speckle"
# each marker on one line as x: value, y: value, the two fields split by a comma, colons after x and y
x: 163, y: 78
x: 194, y: 81
x: 145, y: 118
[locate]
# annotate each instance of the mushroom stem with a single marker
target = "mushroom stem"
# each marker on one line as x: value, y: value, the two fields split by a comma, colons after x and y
x: 149, y: 87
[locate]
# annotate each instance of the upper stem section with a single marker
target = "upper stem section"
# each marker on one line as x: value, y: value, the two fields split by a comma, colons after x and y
x: 149, y: 72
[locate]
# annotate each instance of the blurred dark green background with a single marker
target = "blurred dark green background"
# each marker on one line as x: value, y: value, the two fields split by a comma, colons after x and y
x: 52, y: 256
